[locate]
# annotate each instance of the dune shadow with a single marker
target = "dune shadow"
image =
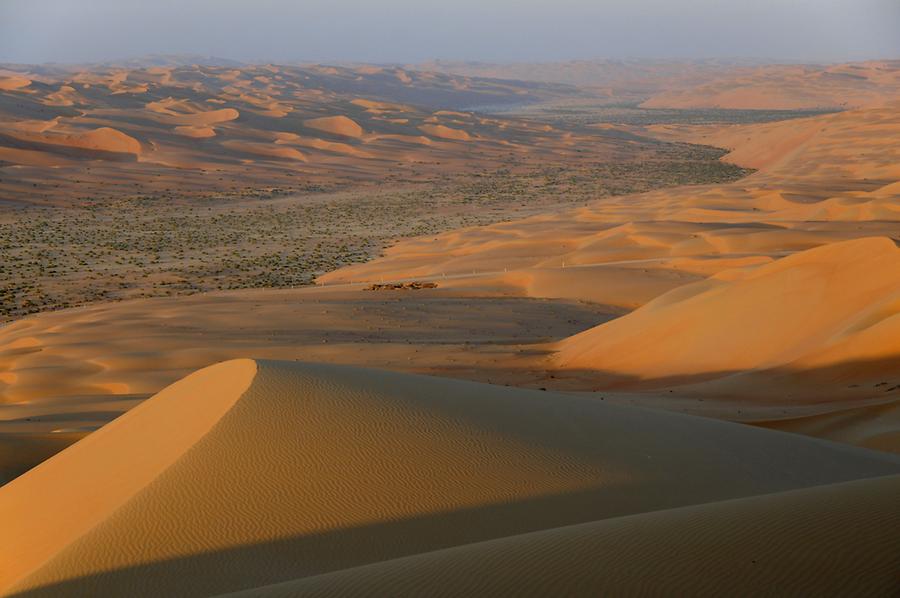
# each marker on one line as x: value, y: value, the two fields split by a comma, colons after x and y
x: 242, y: 567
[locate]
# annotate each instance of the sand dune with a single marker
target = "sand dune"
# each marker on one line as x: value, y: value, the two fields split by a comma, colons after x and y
x: 196, y: 132
x: 755, y: 146
x: 261, y: 472
x: 66, y: 95
x: 269, y: 150
x: 789, y: 87
x: 336, y: 125
x: 776, y: 543
x: 103, y: 139
x: 106, y: 139
x: 828, y: 297
x: 444, y: 132
x: 822, y: 150
x: 12, y: 83
x: 321, y: 144
x: 182, y: 113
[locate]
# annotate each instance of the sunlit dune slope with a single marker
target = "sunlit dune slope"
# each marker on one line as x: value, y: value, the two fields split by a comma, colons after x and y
x: 252, y: 473
x: 830, y: 150
x: 14, y: 82
x: 835, y: 539
x: 336, y: 125
x: 831, y: 305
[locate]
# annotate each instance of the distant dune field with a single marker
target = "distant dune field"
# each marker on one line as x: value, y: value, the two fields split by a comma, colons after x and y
x: 71, y: 134
x: 706, y: 84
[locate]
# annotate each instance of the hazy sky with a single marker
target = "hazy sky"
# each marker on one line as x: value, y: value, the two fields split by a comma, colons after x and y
x: 34, y: 31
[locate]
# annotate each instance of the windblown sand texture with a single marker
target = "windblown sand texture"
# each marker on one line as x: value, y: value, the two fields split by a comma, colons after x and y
x: 250, y: 473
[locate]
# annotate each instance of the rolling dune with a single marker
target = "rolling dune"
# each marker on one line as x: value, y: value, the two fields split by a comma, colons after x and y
x: 261, y: 472
x: 444, y: 132
x: 336, y: 125
x: 806, y: 303
x: 103, y: 139
x: 13, y: 83
x: 265, y: 150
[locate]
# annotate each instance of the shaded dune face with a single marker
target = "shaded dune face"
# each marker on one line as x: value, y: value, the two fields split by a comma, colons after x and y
x: 795, y: 542
x: 251, y: 473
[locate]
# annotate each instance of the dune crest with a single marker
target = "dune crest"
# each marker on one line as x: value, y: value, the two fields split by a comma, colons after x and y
x: 105, y: 471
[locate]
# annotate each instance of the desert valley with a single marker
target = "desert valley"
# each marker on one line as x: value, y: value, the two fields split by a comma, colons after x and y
x: 596, y: 327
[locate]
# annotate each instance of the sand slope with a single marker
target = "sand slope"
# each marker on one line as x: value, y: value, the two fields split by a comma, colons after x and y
x: 336, y: 125
x: 252, y: 473
x: 829, y: 540
x: 801, y: 304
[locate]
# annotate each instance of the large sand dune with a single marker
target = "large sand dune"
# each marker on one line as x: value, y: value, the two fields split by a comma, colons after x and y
x: 829, y: 305
x: 252, y: 473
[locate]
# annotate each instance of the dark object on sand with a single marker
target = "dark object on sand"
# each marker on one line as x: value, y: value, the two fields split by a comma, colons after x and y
x: 402, y: 286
